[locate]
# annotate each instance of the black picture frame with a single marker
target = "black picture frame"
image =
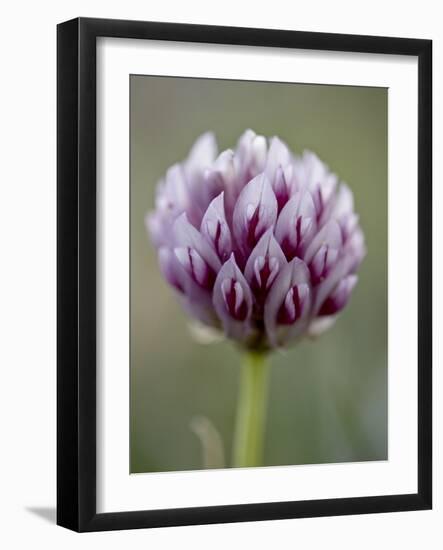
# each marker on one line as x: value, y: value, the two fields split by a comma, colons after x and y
x: 76, y: 279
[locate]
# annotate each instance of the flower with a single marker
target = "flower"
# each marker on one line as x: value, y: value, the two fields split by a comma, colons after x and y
x: 256, y: 241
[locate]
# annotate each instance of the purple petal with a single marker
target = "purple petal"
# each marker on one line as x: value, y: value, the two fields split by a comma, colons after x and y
x: 291, y: 179
x: 195, y: 170
x: 219, y: 176
x: 296, y: 224
x: 278, y: 159
x: 348, y: 224
x: 343, y: 211
x: 340, y: 270
x: 187, y: 236
x: 254, y: 212
x: 195, y: 266
x: 195, y: 299
x: 293, y: 306
x: 158, y: 231
x: 316, y: 177
x: 212, y: 186
x: 172, y: 196
x: 225, y: 170
x: 339, y: 297
x: 224, y: 165
x: 329, y: 236
x: 281, y: 188
x: 278, y: 156
x: 170, y: 269
x: 288, y: 303
x: 216, y: 230
x: 322, y: 263
x: 355, y: 247
x: 232, y: 299
x: 316, y: 173
x: 251, y: 152
x: 202, y: 154
x: 343, y: 203
x: 264, y: 264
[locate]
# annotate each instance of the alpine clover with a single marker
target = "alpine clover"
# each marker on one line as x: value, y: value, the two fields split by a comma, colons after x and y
x: 256, y: 241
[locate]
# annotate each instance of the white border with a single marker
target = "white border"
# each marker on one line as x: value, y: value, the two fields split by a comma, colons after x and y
x: 116, y: 489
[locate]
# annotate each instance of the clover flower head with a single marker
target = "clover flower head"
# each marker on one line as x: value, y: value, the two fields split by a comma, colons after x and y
x: 256, y: 241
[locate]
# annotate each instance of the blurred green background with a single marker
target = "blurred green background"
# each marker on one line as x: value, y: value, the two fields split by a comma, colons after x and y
x: 328, y: 398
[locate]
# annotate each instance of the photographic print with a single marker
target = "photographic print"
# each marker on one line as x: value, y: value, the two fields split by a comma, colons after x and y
x: 244, y: 254
x: 258, y: 262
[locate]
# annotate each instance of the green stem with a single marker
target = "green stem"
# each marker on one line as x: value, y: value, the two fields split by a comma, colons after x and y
x: 251, y: 411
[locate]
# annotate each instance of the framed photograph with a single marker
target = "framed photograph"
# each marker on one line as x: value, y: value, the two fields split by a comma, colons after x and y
x: 244, y: 274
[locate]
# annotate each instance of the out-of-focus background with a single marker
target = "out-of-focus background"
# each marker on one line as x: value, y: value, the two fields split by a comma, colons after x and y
x: 328, y: 398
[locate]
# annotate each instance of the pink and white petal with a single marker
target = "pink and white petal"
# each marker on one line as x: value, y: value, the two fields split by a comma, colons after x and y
x: 289, y: 334
x: 232, y: 299
x: 176, y: 276
x: 329, y: 235
x: 266, y: 250
x: 278, y: 156
x: 356, y: 247
x: 281, y: 188
x: 158, y: 229
x: 344, y: 202
x: 317, y: 173
x: 172, y: 196
x: 201, y: 155
x: 324, y: 289
x: 258, y: 153
x: 186, y: 235
x: 195, y: 266
x: 291, y: 233
x: 215, y: 229
x: 171, y: 269
x: 339, y: 297
x: 244, y: 143
x: 255, y: 212
x: 251, y: 147
x: 292, y: 274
